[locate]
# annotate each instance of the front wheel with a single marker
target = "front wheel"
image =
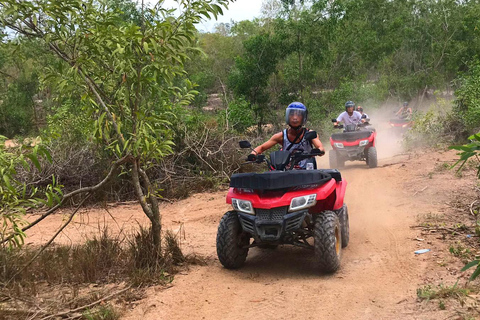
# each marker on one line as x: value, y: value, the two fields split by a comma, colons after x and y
x: 232, y: 241
x: 372, y: 157
x: 327, y: 241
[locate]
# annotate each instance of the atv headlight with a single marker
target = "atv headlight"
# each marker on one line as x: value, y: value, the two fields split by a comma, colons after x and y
x: 338, y: 145
x: 303, y: 202
x: 405, y: 125
x: 363, y: 143
x: 243, y: 206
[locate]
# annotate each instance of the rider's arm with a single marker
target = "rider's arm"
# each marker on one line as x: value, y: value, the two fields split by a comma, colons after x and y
x: 276, y: 138
x: 399, y: 111
x: 318, y: 144
x: 339, y: 119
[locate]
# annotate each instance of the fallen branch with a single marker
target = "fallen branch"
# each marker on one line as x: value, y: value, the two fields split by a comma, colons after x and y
x: 426, y: 228
x: 420, y: 191
x: 471, y: 208
x: 64, y: 313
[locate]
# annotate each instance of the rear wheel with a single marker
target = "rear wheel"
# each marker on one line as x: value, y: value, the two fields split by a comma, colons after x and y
x: 372, y: 157
x: 232, y: 241
x: 327, y: 241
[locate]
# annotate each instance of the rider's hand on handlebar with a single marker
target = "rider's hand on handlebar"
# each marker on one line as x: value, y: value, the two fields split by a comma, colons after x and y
x: 251, y: 157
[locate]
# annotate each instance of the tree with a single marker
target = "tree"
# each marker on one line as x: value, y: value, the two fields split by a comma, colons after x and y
x: 249, y: 77
x: 125, y: 71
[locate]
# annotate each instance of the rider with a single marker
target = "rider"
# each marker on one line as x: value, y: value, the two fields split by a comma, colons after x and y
x: 349, y: 116
x: 405, y: 112
x: 364, y: 115
x: 293, y: 138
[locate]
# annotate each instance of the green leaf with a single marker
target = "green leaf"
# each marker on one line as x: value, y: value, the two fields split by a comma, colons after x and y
x: 34, y: 160
x: 475, y: 273
x: 470, y: 264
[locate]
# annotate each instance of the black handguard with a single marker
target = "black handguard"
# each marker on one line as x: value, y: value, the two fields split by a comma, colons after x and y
x: 316, y: 152
x: 251, y: 157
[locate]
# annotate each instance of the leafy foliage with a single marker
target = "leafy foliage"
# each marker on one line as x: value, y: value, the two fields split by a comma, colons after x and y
x: 126, y: 73
x: 18, y: 196
x: 469, y: 150
x: 467, y: 102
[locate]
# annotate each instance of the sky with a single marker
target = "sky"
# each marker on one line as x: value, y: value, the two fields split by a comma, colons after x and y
x: 237, y: 11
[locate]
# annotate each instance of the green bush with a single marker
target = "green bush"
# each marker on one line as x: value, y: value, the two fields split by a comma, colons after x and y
x: 240, y: 115
x: 467, y: 102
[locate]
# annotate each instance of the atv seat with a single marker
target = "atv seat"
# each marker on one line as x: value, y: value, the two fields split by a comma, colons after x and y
x: 274, y: 180
x: 351, y: 136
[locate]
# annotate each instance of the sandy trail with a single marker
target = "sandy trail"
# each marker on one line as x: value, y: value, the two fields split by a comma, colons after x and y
x: 377, y: 280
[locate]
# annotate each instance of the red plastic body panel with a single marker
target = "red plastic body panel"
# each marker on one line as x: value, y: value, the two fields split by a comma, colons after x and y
x: 407, y: 124
x: 371, y: 141
x: 329, y: 197
x: 340, y: 191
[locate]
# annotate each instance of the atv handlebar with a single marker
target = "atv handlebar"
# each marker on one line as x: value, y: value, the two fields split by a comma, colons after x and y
x: 295, y: 158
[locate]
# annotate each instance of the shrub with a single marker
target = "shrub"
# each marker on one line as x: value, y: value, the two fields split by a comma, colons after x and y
x: 467, y: 102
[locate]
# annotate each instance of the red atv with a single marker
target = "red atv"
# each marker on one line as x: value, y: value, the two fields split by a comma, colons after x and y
x: 284, y: 206
x: 356, y: 142
x: 400, y: 125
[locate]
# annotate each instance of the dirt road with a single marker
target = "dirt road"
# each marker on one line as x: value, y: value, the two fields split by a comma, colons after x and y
x: 378, y: 267
x: 379, y: 273
x: 377, y: 280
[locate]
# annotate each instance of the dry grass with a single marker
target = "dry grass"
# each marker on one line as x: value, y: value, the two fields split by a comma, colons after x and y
x: 67, y: 276
x: 441, y: 291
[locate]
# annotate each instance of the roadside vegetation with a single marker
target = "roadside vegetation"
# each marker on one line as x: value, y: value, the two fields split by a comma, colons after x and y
x: 114, y: 101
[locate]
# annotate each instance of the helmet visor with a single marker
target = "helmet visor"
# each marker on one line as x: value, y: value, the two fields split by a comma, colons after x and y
x: 295, y: 117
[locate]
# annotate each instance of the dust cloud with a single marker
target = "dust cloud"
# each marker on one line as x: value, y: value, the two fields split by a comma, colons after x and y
x: 389, y: 141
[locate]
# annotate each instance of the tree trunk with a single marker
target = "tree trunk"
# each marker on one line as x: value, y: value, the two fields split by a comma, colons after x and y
x: 148, y: 202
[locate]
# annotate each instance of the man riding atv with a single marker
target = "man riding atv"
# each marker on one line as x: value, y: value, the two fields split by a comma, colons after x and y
x: 364, y: 115
x: 405, y: 112
x: 356, y: 142
x: 349, y: 116
x: 286, y: 206
x: 293, y: 138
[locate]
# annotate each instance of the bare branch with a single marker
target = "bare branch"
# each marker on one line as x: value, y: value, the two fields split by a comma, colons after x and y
x: 53, y: 238
x: 61, y: 314
x: 92, y: 189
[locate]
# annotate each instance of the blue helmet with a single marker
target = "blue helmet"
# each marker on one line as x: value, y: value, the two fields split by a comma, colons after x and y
x: 296, y: 108
x: 349, y: 104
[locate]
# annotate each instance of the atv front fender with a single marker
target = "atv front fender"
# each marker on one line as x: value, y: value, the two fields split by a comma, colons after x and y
x: 340, y: 194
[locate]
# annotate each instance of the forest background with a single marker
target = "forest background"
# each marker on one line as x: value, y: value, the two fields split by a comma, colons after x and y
x: 114, y: 100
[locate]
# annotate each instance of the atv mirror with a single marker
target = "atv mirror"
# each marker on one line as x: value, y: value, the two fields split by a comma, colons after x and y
x: 310, y: 135
x: 334, y: 120
x: 244, y: 144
